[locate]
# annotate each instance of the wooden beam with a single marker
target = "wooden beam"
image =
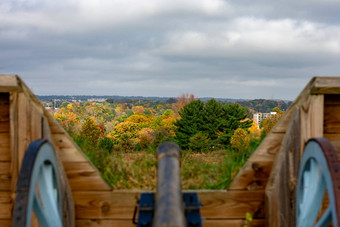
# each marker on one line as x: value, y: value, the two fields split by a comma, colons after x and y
x: 216, y: 204
x: 326, y: 85
x: 14, y: 139
x: 5, y: 176
x: 8, y: 83
x: 311, y: 119
x: 5, y: 147
x: 83, y: 177
x: 6, y: 205
x: 206, y: 223
x: 280, y: 190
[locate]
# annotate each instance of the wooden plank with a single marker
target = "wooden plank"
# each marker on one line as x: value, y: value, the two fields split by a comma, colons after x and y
x: 254, y: 174
x: 326, y: 85
x: 8, y: 83
x: 104, y: 223
x: 5, y: 177
x: 280, y: 190
x: 36, y: 123
x: 6, y: 223
x: 79, y: 175
x: 5, y: 147
x: 332, y: 119
x: 128, y: 223
x: 67, y: 150
x: 4, y: 112
x: 234, y: 223
x: 70, y: 154
x: 5, y: 205
x: 311, y: 119
x: 14, y: 139
x: 24, y: 116
x: 216, y: 204
x: 4, y: 127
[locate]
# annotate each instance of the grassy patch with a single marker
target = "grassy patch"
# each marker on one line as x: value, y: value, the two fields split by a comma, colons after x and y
x: 138, y: 169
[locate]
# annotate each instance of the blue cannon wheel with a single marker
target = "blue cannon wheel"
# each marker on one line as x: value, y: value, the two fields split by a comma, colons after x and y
x: 38, y: 187
x: 319, y: 174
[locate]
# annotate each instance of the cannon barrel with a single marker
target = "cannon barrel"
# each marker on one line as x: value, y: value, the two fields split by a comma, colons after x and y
x: 169, y: 208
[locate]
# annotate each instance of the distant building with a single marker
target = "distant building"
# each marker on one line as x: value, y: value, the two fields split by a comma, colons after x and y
x: 258, y: 117
x: 96, y: 100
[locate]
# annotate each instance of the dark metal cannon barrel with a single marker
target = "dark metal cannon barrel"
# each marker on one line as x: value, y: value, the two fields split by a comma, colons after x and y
x: 169, y: 208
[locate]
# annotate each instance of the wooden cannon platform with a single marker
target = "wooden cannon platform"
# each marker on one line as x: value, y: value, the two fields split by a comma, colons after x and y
x: 265, y: 187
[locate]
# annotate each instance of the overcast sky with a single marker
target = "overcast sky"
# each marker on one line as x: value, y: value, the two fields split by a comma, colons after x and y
x: 211, y: 48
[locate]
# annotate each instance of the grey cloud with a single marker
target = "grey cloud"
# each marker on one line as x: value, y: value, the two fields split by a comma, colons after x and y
x: 238, y: 49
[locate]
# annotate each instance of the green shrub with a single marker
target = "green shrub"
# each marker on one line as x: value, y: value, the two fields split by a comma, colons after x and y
x: 199, y: 142
x: 106, y: 144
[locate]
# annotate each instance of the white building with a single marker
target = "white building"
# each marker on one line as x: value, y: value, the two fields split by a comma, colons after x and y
x: 258, y: 117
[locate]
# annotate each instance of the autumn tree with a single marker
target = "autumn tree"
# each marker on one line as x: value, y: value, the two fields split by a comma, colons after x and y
x: 240, y: 140
x: 90, y: 131
x: 181, y: 101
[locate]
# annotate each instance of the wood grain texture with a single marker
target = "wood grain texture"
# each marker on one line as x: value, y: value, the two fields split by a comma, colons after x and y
x: 280, y: 190
x: 216, y: 204
x: 326, y: 85
x: 14, y: 139
x: 311, y: 119
x: 206, y: 223
x: 5, y: 176
x: 8, y: 83
x: 5, y: 223
x: 5, y: 147
x: 6, y: 205
x: 83, y: 177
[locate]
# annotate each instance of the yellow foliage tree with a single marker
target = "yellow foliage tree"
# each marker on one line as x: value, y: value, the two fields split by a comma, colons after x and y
x: 240, y: 140
x: 254, y: 130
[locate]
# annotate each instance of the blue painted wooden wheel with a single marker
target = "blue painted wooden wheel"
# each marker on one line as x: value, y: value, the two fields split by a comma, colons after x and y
x: 38, y: 187
x: 319, y: 178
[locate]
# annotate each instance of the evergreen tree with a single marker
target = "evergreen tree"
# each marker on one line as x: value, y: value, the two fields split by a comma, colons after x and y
x: 233, y: 118
x: 190, y: 123
x: 212, y: 120
x: 212, y: 114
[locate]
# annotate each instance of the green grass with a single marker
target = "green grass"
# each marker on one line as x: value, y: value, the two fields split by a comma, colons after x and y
x: 138, y: 169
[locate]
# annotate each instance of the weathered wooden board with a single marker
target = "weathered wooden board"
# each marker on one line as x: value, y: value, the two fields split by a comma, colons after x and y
x: 5, y: 147
x: 280, y: 190
x: 5, y: 177
x: 311, y: 119
x: 6, y: 223
x: 71, y: 154
x: 206, y: 223
x: 4, y: 127
x: 14, y: 139
x: 82, y: 176
x: 216, y: 204
x: 4, y: 112
x: 8, y: 83
x: 23, y: 124
x: 104, y: 223
x: 5, y: 205
x: 332, y: 119
x: 326, y: 85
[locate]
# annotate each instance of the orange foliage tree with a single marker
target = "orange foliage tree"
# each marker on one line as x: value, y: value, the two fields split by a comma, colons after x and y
x: 182, y: 100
